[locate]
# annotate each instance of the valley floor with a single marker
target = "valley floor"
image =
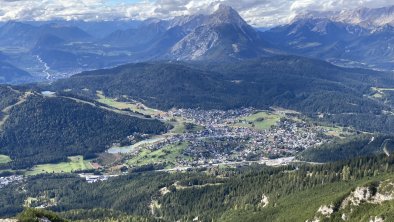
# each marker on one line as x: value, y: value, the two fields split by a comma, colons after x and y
x: 206, y: 138
x: 201, y: 139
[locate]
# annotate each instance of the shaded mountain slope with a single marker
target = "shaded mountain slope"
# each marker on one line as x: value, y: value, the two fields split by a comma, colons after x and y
x: 41, y: 129
x: 306, y: 85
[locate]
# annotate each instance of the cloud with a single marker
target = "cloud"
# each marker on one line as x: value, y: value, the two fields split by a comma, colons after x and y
x: 256, y: 12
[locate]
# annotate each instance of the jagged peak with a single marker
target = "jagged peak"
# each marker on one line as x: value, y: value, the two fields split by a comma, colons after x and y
x: 226, y: 14
x: 370, y: 18
x: 225, y: 9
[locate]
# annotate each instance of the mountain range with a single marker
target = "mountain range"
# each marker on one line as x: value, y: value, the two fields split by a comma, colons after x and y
x: 223, y: 34
x: 198, y: 118
x: 62, y: 49
x: 365, y: 17
x: 358, y: 38
x: 51, y: 50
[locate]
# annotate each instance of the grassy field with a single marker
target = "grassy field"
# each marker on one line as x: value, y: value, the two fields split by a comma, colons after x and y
x: 335, y: 131
x: 168, y: 154
x: 379, y: 93
x: 75, y: 163
x: 4, y: 159
x: 140, y: 108
x: 180, y: 127
x: 260, y: 121
x: 382, y: 89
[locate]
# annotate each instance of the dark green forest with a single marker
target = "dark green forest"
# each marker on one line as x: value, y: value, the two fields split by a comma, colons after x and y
x: 46, y: 130
x: 8, y: 96
x: 216, y: 194
x: 348, y: 148
x: 306, y: 85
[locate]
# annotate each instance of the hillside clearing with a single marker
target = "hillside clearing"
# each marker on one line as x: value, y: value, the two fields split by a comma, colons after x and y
x: 4, y: 159
x: 75, y: 163
x: 260, y: 121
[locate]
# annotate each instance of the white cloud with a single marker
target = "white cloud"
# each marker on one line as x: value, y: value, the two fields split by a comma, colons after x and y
x: 256, y: 12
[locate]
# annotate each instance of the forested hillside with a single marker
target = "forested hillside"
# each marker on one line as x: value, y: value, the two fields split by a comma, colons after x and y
x: 255, y: 193
x: 49, y: 129
x: 8, y: 96
x: 11, y: 74
x: 309, y: 86
x: 345, y: 149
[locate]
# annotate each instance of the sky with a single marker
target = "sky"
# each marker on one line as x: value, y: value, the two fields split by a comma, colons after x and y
x: 260, y: 13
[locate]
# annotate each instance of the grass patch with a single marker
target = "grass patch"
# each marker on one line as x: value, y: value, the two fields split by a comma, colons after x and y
x: 382, y: 89
x: 335, y: 131
x: 179, y: 127
x: 379, y: 93
x: 75, y: 163
x: 168, y: 154
x: 4, y: 159
x: 260, y: 121
x: 139, y: 108
x: 377, y: 96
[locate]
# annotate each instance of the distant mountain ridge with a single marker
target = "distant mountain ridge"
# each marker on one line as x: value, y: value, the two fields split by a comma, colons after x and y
x: 221, y: 35
x: 17, y: 33
x: 60, y: 49
x: 51, y: 50
x: 305, y: 85
x: 11, y: 74
x: 369, y: 18
x: 358, y: 38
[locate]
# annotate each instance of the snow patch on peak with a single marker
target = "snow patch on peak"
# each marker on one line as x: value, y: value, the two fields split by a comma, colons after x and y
x: 365, y: 17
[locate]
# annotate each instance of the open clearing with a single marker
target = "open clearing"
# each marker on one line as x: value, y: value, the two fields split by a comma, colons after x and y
x: 4, y: 159
x: 75, y: 163
x: 379, y: 93
x: 336, y: 131
x: 382, y: 89
x: 260, y: 121
x: 136, y: 107
x: 167, y: 155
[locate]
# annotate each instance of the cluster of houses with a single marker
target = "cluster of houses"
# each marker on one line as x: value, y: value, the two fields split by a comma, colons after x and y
x: 220, y: 141
x: 212, y: 117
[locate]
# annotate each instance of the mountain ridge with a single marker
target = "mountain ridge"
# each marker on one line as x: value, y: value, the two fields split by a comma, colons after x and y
x: 222, y: 36
x: 366, y: 17
x: 338, y: 40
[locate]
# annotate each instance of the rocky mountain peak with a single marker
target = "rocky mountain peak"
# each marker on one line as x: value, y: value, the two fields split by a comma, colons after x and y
x: 226, y: 15
x: 369, y: 18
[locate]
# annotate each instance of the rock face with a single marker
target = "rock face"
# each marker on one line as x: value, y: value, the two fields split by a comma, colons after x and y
x: 357, y: 38
x: 264, y: 201
x: 365, y: 17
x: 340, y: 43
x: 374, y: 193
x: 326, y: 210
x: 224, y: 34
x: 369, y: 195
x: 220, y: 35
x: 376, y: 219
